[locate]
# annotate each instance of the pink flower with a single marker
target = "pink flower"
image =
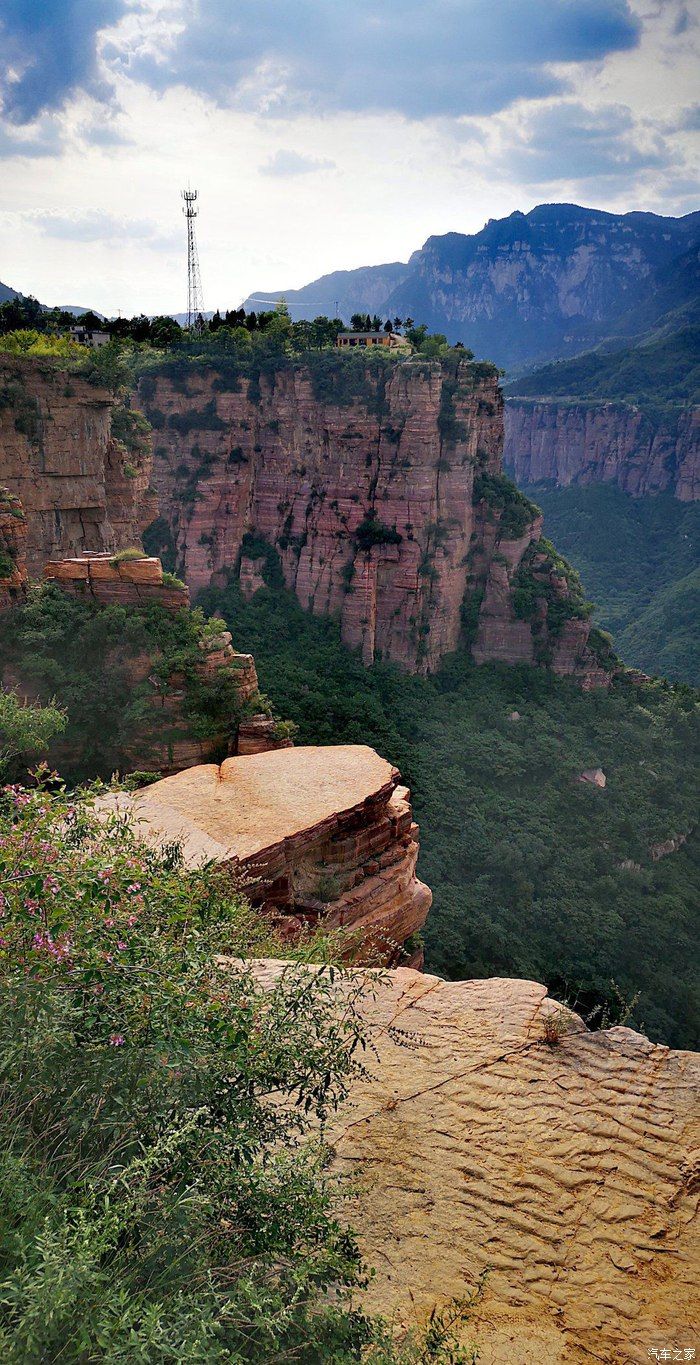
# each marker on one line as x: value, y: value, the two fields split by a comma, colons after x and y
x: 116, y: 1040
x: 135, y: 886
x: 109, y: 923
x: 121, y: 946
x: 132, y: 920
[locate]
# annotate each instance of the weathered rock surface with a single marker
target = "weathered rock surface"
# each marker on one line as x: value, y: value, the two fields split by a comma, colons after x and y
x: 594, y: 776
x: 570, y: 1172
x: 80, y: 489
x: 366, y: 492
x: 130, y: 582
x: 584, y: 443
x: 323, y: 834
x: 305, y: 472
x: 259, y: 733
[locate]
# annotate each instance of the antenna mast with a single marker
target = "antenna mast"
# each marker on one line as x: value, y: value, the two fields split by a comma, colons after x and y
x: 195, y: 303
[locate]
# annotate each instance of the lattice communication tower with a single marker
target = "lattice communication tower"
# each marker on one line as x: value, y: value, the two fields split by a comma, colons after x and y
x: 195, y: 302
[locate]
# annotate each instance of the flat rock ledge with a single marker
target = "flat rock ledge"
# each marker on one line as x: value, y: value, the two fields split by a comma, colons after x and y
x: 570, y: 1172
x: 317, y: 833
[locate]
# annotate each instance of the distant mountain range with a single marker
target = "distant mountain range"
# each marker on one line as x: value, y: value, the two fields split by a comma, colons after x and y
x: 528, y: 288
x: 6, y: 294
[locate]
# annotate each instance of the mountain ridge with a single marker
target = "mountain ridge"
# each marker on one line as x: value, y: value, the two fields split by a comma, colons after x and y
x: 526, y: 288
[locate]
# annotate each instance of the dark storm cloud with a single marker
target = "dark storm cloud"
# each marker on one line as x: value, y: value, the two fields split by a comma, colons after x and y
x: 49, y: 51
x: 419, y: 59
x: 568, y: 140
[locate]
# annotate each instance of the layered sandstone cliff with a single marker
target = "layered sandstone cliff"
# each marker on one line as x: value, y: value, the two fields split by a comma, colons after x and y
x: 584, y: 443
x: 317, y: 835
x: 568, y: 1170
x: 80, y: 486
x: 376, y: 490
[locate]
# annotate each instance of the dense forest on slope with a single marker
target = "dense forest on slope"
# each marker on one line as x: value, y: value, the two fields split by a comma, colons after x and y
x: 665, y: 371
x: 640, y: 561
x: 534, y: 873
x: 82, y: 654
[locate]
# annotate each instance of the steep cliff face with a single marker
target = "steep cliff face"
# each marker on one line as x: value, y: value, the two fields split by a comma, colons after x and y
x: 585, y: 443
x: 375, y: 494
x: 80, y: 487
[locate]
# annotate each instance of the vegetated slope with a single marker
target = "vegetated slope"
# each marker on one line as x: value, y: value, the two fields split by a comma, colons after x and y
x: 533, y: 286
x: 664, y: 371
x: 133, y: 681
x: 639, y: 559
x: 664, y: 639
x: 534, y: 873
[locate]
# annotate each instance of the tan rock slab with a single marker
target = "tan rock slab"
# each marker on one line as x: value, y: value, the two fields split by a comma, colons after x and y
x: 570, y: 1172
x: 254, y: 802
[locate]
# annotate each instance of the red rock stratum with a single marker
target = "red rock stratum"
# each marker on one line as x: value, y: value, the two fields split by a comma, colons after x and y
x: 379, y: 493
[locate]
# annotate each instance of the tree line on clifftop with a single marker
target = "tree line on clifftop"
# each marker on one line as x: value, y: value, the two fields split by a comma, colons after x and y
x: 26, y: 328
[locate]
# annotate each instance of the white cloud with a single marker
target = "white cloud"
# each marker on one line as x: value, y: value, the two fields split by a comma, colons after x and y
x: 285, y: 163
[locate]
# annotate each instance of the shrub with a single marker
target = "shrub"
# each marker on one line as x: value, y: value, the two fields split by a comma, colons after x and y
x: 516, y: 511
x: 162, y: 1193
x: 131, y: 429
x: 371, y: 531
x: 61, y: 645
x: 7, y: 564
x: 125, y: 556
x: 25, y: 729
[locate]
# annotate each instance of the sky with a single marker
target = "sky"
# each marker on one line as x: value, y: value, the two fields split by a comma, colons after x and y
x: 321, y: 134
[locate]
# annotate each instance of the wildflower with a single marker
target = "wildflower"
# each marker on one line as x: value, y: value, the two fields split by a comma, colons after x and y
x: 121, y: 946
x: 134, y: 887
x: 116, y: 1040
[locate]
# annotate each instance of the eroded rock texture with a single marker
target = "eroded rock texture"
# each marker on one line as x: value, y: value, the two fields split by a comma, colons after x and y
x: 319, y: 833
x: 368, y: 487
x: 80, y: 488
x: 570, y: 1171
x: 583, y: 443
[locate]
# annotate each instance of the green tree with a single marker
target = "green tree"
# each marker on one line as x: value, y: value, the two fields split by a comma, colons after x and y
x: 26, y: 730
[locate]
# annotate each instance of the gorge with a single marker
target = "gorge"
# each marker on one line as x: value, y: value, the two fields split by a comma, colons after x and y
x: 351, y: 526
x: 378, y: 492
